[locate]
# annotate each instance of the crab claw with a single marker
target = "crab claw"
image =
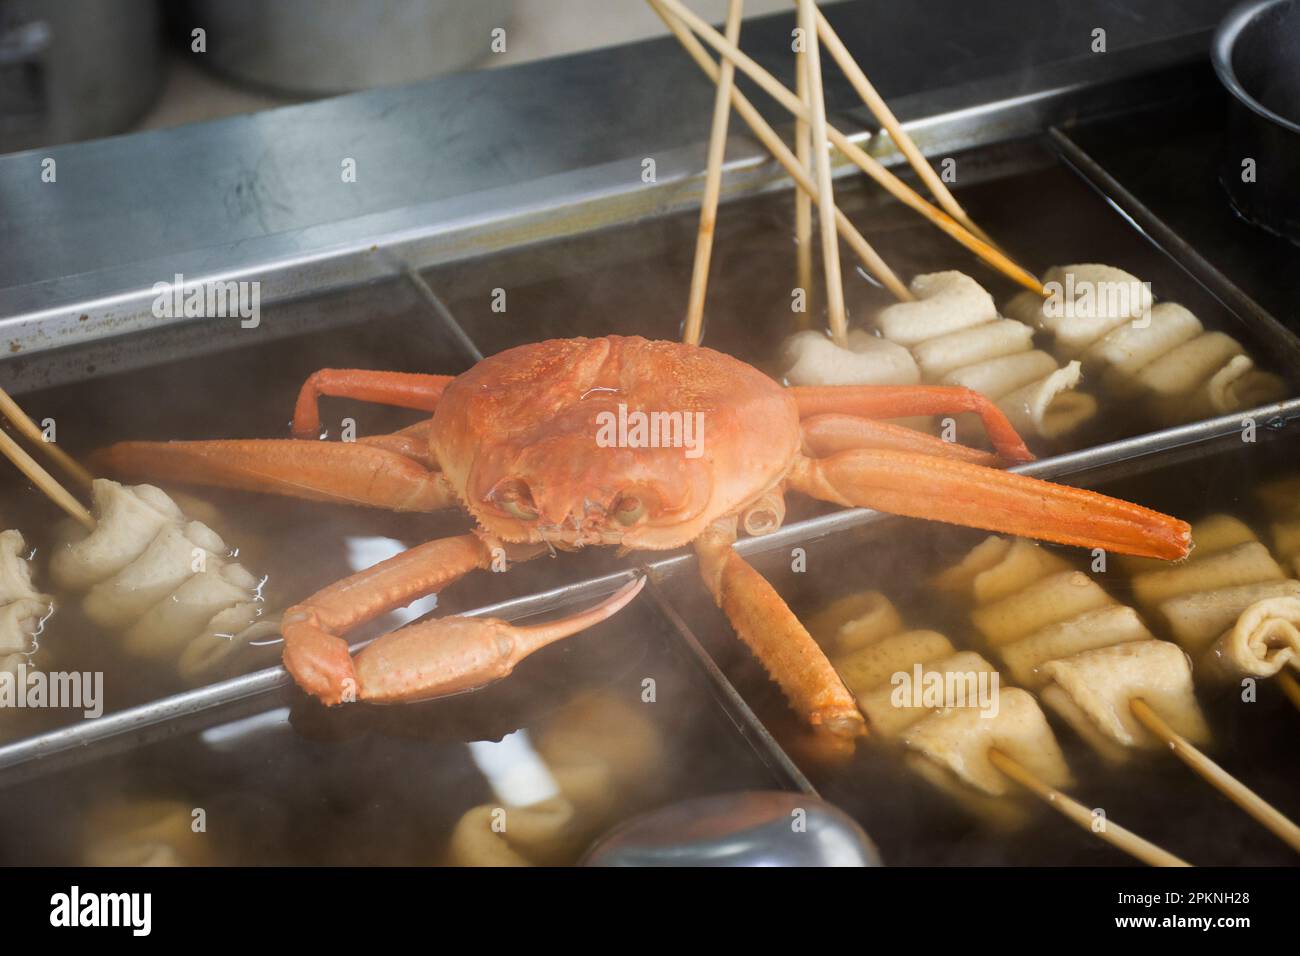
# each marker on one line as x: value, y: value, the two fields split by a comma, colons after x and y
x: 454, y: 654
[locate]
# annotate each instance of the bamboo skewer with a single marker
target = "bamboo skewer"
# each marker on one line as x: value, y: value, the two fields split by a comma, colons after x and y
x: 1290, y: 687
x: 767, y: 136
x: 830, y: 239
x: 892, y: 184
x: 43, y: 480
x: 10, y: 409
x: 862, y: 86
x: 1114, y: 834
x: 1217, y: 777
x: 802, y: 201
x: 712, y: 185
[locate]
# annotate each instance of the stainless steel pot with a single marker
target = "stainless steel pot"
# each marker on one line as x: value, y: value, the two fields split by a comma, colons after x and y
x: 76, y: 69
x: 1257, y: 57
x: 320, y: 47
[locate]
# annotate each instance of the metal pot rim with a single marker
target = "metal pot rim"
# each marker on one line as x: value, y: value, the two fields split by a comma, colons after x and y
x: 1225, y: 40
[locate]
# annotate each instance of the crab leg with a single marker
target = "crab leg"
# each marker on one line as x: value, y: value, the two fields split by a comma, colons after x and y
x: 454, y: 654
x: 901, y: 401
x: 923, y: 486
x: 785, y: 648
x: 402, y: 389
x: 827, y: 434
x: 410, y: 442
x: 344, y: 472
x: 422, y: 660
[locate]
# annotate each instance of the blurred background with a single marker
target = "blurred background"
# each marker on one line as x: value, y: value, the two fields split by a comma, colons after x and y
x: 78, y: 69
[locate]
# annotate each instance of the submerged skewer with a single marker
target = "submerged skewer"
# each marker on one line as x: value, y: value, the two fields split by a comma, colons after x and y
x: 1232, y: 788
x: 1114, y: 834
x: 32, y: 432
x: 712, y: 185
x: 876, y: 103
x: 767, y: 136
x: 1290, y: 687
x: 892, y: 184
x: 816, y: 107
x: 43, y: 480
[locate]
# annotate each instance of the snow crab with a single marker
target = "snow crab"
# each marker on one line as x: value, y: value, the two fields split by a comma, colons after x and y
x: 535, y: 443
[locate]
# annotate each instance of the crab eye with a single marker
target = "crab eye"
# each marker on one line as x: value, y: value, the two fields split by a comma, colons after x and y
x: 629, y: 510
x: 519, y: 510
x: 514, y: 498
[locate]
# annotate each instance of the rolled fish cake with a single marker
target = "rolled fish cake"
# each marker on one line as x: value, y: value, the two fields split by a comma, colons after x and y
x: 1230, y: 605
x: 166, y: 583
x: 1159, y: 353
x: 22, y: 607
x: 1262, y: 640
x: 957, y: 338
x: 812, y: 358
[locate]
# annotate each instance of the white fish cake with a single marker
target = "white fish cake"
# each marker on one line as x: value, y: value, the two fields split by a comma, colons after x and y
x: 945, y: 302
x: 1126, y: 350
x: 1003, y: 375
x: 1196, y: 620
x: 1050, y: 407
x: 998, y: 567
x: 945, y: 353
x: 874, y: 664
x: 1055, y: 598
x: 1115, y: 624
x: 889, y: 710
x: 1180, y: 371
x: 167, y: 563
x: 184, y: 613
x: 813, y: 359
x: 1264, y: 639
x: 959, y: 741
x: 1248, y: 563
x: 1102, y: 682
x: 854, y: 621
x: 127, y: 520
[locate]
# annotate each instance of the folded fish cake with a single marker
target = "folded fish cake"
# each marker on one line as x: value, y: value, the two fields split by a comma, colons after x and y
x: 1098, y: 685
x: 958, y: 740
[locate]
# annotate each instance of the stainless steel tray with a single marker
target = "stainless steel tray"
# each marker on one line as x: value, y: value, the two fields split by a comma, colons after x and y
x: 220, y: 381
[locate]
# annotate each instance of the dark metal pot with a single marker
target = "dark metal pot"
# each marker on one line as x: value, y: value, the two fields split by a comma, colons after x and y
x: 76, y: 69
x: 1257, y: 57
x: 322, y: 47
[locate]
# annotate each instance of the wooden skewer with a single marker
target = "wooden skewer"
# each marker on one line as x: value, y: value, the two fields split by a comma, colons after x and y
x: 1216, y: 776
x: 33, y: 433
x: 1290, y: 687
x: 712, y: 184
x: 876, y: 103
x: 43, y: 480
x: 830, y: 239
x: 892, y: 184
x: 767, y: 136
x: 1072, y: 810
x: 802, y: 201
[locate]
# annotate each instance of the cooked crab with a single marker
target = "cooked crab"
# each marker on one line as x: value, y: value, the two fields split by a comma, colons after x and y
x: 523, y: 442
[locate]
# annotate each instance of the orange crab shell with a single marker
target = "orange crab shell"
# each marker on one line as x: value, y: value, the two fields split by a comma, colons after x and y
x: 542, y: 413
